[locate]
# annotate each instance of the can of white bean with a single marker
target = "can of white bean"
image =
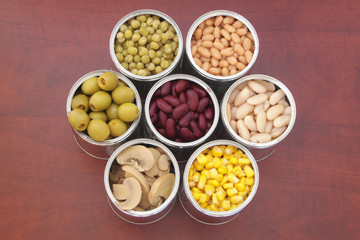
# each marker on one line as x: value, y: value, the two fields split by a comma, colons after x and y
x: 258, y: 111
x: 139, y: 191
x: 182, y: 112
x: 221, y: 46
x: 218, y: 202
x: 146, y: 45
x: 103, y: 149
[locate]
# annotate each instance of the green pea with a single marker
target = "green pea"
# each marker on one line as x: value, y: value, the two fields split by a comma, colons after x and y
x: 136, y: 37
x: 125, y: 52
x: 172, y: 29
x: 164, y: 26
x: 164, y: 64
x: 167, y: 49
x: 156, y: 37
x: 139, y: 65
x: 123, y: 28
x: 152, y: 53
x: 145, y: 59
x: 134, y: 71
x: 154, y: 45
x: 125, y: 65
x: 118, y: 49
x: 176, y: 39
x: 159, y: 53
x: 170, y: 34
x: 135, y: 24
x: 141, y: 18
x: 143, y: 51
x: 137, y: 58
x: 150, y: 66
x: 149, y: 21
x: 156, y: 23
x: 129, y: 44
x: 129, y: 58
x: 156, y: 61
x: 164, y: 38
x: 142, y: 41
x: 174, y: 46
x: 158, y: 69
x: 128, y: 33
x: 150, y: 30
x: 155, y: 17
x: 119, y: 57
x: 142, y: 72
x: 132, y: 65
x: 158, y: 31
x: 169, y: 56
x: 143, y: 31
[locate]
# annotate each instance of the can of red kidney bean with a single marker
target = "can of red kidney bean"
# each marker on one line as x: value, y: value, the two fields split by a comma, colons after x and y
x: 217, y: 81
x: 199, y: 121
x: 102, y: 150
x: 260, y: 150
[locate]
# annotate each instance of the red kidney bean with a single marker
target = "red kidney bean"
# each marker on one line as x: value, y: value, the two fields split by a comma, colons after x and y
x: 182, y: 97
x: 203, y: 103
x: 157, y: 93
x: 163, y: 105
x: 208, y: 124
x: 186, y: 134
x: 173, y: 90
x: 162, y: 117
x: 154, y: 118
x: 162, y: 131
x: 165, y: 89
x: 185, y: 120
x: 200, y: 91
x: 170, y: 128
x: 202, y: 122
x: 152, y: 108
x: 180, y: 110
x: 209, y: 113
x: 195, y: 129
x: 182, y: 85
x: 192, y: 99
x: 174, y: 101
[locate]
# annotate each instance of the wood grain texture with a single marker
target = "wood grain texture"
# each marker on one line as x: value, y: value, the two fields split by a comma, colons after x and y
x: 309, y: 188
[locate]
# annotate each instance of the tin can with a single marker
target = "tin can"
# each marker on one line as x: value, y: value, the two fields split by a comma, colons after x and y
x: 102, y: 150
x: 218, y: 83
x: 180, y: 149
x: 259, y: 150
x: 200, y: 214
x: 143, y: 83
x: 150, y: 216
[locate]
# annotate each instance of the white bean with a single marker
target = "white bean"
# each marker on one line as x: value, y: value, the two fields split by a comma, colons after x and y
x: 233, y: 126
x: 275, y: 111
x: 242, y: 97
x: 270, y: 87
x: 243, y: 131
x: 261, y: 121
x: 276, y: 97
x: 233, y: 96
x: 261, y: 107
x: 256, y: 87
x: 257, y: 99
x: 287, y: 110
x: 228, y: 112
x: 261, y: 138
x: 282, y: 121
x: 269, y: 126
x: 244, y: 110
x: 276, y: 132
x: 250, y: 123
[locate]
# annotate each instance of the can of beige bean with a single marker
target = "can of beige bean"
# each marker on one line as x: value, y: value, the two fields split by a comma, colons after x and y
x: 204, y: 214
x: 258, y: 111
x: 152, y: 185
x: 221, y: 46
x: 181, y: 131
x: 157, y: 47
x: 103, y: 149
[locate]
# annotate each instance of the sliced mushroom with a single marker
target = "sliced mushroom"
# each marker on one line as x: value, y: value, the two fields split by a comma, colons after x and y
x: 116, y: 173
x: 145, y: 186
x: 163, y: 162
x: 129, y: 191
x: 161, y: 188
x: 138, y: 156
x: 150, y: 180
x: 154, y: 171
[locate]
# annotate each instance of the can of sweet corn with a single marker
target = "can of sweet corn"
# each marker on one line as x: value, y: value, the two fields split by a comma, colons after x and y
x: 218, y: 214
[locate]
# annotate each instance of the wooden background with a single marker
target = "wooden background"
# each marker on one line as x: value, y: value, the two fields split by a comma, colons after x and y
x: 309, y: 188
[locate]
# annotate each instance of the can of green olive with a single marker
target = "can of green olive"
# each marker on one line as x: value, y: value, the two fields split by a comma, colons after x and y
x: 204, y: 215
x: 181, y: 147
x: 260, y: 149
x: 136, y: 216
x: 216, y: 52
x: 103, y: 149
x: 151, y: 51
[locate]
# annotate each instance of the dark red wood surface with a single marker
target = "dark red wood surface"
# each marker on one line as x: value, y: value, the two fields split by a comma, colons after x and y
x: 50, y: 189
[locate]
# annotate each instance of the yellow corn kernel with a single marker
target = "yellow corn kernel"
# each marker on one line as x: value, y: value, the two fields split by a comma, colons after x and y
x: 238, y: 153
x: 192, y: 184
x: 209, y: 165
x: 217, y: 162
x: 196, y: 196
x: 249, y: 171
x: 233, y: 206
x: 237, y: 170
x: 220, y: 195
x: 250, y: 181
x: 240, y: 186
x: 236, y: 199
x: 225, y: 161
x: 222, y: 170
x: 205, y: 173
x: 216, y: 151
x: 202, y: 182
x: 198, y: 166
x: 229, y: 168
x: 219, y: 177
x: 227, y: 156
x: 225, y: 180
x: 231, y: 192
x: 209, y: 157
x: 226, y: 205
x: 202, y: 198
x: 244, y: 161
x: 205, y: 151
x: 228, y: 185
x: 196, y: 177
x: 234, y: 160
x: 243, y: 194
x: 209, y: 189
x: 232, y: 178
x: 202, y: 159
x: 247, y: 189
x: 191, y: 172
x: 213, y: 173
x: 213, y: 182
x: 230, y: 149
x: 195, y: 189
x: 215, y: 200
x: 213, y: 207
x: 204, y: 205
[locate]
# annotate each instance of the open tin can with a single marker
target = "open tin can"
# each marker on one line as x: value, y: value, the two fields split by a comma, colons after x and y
x: 206, y: 216
x: 260, y: 150
x: 142, y: 217
x: 103, y: 149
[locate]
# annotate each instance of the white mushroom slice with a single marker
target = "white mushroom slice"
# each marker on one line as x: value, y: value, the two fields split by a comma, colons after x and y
x: 145, y: 186
x: 161, y: 188
x: 129, y: 191
x: 154, y: 171
x: 138, y: 156
x: 163, y: 162
x: 116, y: 174
x: 150, y: 180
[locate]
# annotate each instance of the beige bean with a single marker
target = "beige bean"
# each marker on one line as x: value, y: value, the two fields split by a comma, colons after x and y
x: 228, y: 20
x: 232, y: 60
x: 208, y: 37
x: 261, y: 107
x: 240, y: 66
x: 248, y: 56
x: 228, y: 112
x: 239, y: 49
x: 242, y: 38
x: 193, y: 42
x: 224, y: 42
x: 233, y: 71
x: 244, y: 110
x: 268, y: 85
x: 227, y: 52
x: 197, y: 34
x: 256, y: 87
x: 207, y: 44
x: 241, y: 31
x: 233, y: 126
x: 225, y: 71
x: 204, y: 59
x: 287, y: 110
x: 261, y: 138
x: 210, y: 21
x: 233, y: 95
x: 231, y: 67
x: 237, y: 24
x: 269, y: 126
x: 242, y: 97
x: 225, y: 34
x: 205, y: 66
x: 223, y: 63
x: 229, y: 28
x: 250, y: 123
x: 242, y: 59
x: 261, y: 121
x: 216, y: 32
x: 218, y: 20
x: 283, y: 102
x: 219, y: 45
x: 257, y: 99
x: 215, y: 53
x: 276, y: 132
x: 252, y: 48
x: 215, y: 70
x: 242, y: 129
x: 275, y: 111
x: 198, y: 61
x: 232, y: 43
x: 214, y: 62
x: 197, y: 55
x: 201, y: 25
x: 235, y: 38
x: 207, y: 30
x: 249, y: 35
x: 247, y: 43
x: 276, y: 96
x: 282, y: 121
x: 204, y: 52
x: 193, y: 50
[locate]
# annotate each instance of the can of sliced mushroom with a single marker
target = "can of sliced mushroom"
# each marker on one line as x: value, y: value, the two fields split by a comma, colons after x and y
x: 141, y: 179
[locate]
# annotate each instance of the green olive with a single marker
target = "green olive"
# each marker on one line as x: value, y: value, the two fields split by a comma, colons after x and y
x: 100, y: 101
x: 108, y: 81
x: 78, y: 119
x: 117, y: 127
x: 111, y: 111
x: 80, y: 101
x: 98, y: 115
x: 90, y: 86
x: 128, y: 112
x: 98, y: 130
x: 122, y: 95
